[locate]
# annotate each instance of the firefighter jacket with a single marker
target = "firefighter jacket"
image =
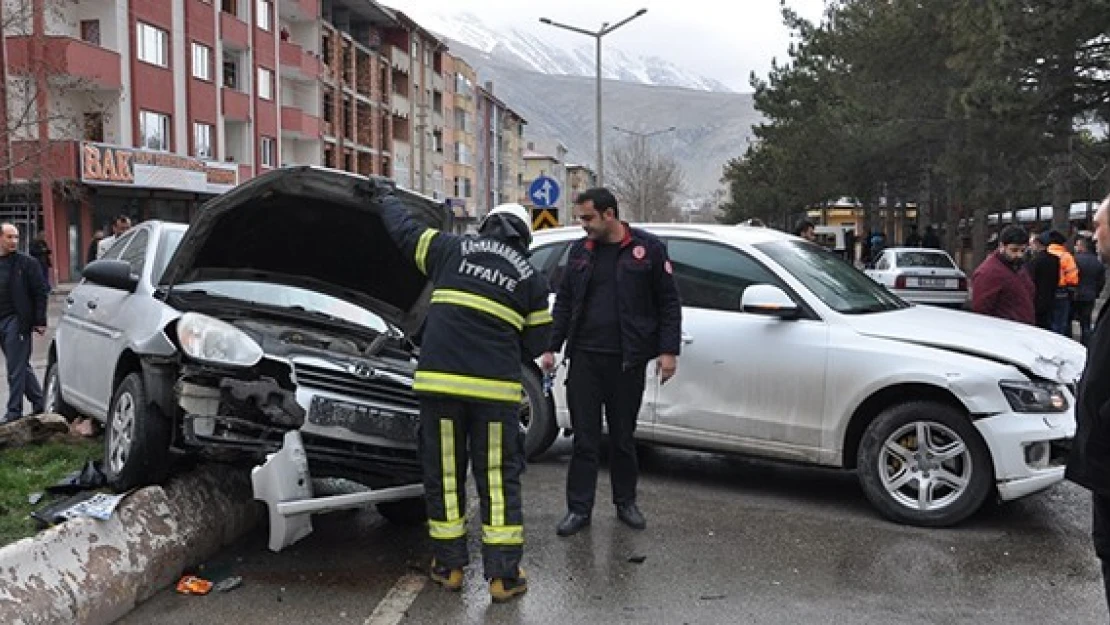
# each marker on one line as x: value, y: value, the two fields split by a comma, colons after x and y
x: 1069, y: 271
x: 488, y: 310
x: 649, y: 307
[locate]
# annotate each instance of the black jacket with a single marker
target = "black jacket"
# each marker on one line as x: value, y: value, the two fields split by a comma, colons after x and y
x: 29, y: 292
x: 1089, y: 465
x: 1044, y: 268
x: 649, y: 306
x: 488, y: 311
x: 1092, y: 277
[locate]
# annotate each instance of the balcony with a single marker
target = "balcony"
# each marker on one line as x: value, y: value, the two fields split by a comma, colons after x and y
x: 297, y: 63
x: 234, y: 32
x: 400, y: 105
x: 296, y: 122
x: 236, y: 105
x: 300, y: 10
x: 69, y: 57
x: 399, y: 59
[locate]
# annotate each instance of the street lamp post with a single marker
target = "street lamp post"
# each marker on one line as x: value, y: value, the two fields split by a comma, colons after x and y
x: 597, y: 35
x: 642, y: 149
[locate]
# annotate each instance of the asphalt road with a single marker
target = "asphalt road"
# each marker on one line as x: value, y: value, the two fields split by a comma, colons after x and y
x: 728, y: 541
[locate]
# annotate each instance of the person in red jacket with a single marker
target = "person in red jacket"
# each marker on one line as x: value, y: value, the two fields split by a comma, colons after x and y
x: 999, y: 287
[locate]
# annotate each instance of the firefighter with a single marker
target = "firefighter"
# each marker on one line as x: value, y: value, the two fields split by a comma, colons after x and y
x: 488, y: 313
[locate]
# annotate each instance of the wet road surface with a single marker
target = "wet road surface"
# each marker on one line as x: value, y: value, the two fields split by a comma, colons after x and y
x: 728, y: 541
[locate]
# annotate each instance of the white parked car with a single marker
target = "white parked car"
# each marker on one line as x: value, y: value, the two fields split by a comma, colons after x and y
x: 791, y: 353
x: 921, y: 275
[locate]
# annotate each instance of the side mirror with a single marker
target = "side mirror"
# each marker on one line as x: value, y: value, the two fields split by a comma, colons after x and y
x: 115, y: 274
x: 768, y: 300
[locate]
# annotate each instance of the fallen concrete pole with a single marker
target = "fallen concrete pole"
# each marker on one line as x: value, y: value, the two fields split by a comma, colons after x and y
x: 90, y: 572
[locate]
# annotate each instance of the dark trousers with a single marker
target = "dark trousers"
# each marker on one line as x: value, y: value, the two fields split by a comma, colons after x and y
x: 1083, y: 314
x: 453, y: 435
x: 1100, y: 533
x: 598, y: 381
x: 21, y: 379
x: 1061, y: 314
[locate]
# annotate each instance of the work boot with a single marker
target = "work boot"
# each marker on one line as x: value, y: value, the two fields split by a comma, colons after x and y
x: 451, y: 579
x: 631, y: 516
x: 502, y: 589
x: 572, y: 523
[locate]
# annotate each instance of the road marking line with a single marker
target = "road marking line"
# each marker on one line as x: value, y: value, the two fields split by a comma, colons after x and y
x: 392, y: 607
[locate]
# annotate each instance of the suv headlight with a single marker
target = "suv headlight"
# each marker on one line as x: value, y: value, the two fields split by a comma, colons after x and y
x: 213, y: 341
x: 1035, y: 396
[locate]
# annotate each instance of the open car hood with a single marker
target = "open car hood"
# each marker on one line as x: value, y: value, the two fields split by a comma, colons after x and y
x: 309, y: 227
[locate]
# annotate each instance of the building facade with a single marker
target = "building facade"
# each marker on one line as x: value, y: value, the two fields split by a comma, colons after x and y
x: 461, y: 138
x: 500, y: 166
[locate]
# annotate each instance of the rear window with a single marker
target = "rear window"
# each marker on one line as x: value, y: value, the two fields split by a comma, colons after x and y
x: 925, y: 259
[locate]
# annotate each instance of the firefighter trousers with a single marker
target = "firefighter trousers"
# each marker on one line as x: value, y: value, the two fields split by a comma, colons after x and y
x: 454, y: 434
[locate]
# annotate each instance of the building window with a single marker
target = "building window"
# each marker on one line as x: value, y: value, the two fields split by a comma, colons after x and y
x: 153, y: 45
x: 90, y: 31
x: 231, y: 71
x: 155, y: 130
x: 264, y: 14
x: 265, y: 84
x: 202, y: 141
x: 94, y: 127
x: 269, y: 152
x: 202, y: 61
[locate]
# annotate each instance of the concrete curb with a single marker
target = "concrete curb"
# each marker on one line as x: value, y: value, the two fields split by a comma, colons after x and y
x: 91, y: 572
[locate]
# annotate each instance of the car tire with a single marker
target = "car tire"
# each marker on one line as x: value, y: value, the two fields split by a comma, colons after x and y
x: 404, y: 511
x: 537, y: 416
x: 136, y: 438
x: 52, y: 395
x: 955, y: 465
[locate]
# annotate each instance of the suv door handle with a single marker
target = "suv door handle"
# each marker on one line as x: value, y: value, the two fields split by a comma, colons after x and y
x: 69, y: 300
x: 91, y: 304
x: 687, y: 338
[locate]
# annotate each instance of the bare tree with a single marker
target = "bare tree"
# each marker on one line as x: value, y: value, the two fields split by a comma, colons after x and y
x: 646, y: 181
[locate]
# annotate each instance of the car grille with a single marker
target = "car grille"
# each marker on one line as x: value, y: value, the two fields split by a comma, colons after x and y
x: 341, y: 382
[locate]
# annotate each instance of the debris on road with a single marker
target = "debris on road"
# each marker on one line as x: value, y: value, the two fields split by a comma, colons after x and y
x: 637, y: 559
x: 193, y: 585
x: 229, y: 584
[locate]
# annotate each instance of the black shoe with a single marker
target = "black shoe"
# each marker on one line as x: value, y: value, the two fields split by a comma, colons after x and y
x: 631, y: 516
x: 572, y: 523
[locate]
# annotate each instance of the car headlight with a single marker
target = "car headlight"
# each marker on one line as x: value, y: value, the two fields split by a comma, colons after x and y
x: 1035, y: 396
x: 213, y: 341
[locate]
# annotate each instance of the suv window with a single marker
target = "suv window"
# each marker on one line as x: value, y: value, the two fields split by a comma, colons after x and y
x: 543, y: 259
x: 714, y: 276
x: 135, y: 254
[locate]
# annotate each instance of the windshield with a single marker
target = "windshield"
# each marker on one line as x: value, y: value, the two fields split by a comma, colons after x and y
x: 933, y: 260
x: 839, y: 285
x: 285, y: 296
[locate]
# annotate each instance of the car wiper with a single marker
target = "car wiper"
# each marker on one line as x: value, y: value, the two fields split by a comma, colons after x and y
x: 870, y: 308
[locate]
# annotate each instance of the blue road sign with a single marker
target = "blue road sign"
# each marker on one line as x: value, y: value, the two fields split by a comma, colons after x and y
x: 544, y: 192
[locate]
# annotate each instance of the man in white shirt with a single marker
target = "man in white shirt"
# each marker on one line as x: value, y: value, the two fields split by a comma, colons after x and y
x: 121, y: 225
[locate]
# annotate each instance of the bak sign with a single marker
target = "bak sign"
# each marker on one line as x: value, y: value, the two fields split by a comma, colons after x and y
x: 103, y: 164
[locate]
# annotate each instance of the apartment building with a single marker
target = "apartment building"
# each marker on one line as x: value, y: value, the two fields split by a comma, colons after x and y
x: 460, y: 121
x: 546, y: 158
x: 500, y: 152
x: 579, y: 178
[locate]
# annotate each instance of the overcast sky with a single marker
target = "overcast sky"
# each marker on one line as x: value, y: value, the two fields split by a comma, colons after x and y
x: 722, y: 40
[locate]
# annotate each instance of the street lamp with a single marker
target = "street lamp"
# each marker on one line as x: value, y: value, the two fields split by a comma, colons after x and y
x: 641, y: 153
x: 597, y: 35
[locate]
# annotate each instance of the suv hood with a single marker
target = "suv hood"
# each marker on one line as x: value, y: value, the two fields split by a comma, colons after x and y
x: 309, y: 227
x: 1042, y: 353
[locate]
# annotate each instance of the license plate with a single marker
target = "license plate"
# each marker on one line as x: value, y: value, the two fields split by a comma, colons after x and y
x: 936, y: 283
x: 363, y: 419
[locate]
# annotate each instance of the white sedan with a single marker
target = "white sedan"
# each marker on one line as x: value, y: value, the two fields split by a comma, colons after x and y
x: 921, y: 275
x: 790, y: 353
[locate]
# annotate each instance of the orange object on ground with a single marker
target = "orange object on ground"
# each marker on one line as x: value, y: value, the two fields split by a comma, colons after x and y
x: 193, y: 585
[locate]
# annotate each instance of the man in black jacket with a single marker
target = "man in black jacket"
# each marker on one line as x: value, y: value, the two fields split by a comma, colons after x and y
x: 488, y: 314
x: 1044, y: 269
x: 23, y: 293
x: 617, y: 308
x: 1092, y: 279
x: 1089, y: 465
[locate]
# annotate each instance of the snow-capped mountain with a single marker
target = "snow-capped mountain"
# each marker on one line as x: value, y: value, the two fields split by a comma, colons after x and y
x: 528, y: 51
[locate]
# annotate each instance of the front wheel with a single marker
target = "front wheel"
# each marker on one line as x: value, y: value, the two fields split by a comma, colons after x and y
x: 923, y: 463
x: 537, y: 416
x: 136, y: 438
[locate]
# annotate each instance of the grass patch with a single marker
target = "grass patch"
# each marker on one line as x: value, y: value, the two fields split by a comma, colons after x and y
x: 26, y: 470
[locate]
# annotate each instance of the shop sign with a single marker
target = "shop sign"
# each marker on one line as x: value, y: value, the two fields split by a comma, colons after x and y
x: 114, y: 165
